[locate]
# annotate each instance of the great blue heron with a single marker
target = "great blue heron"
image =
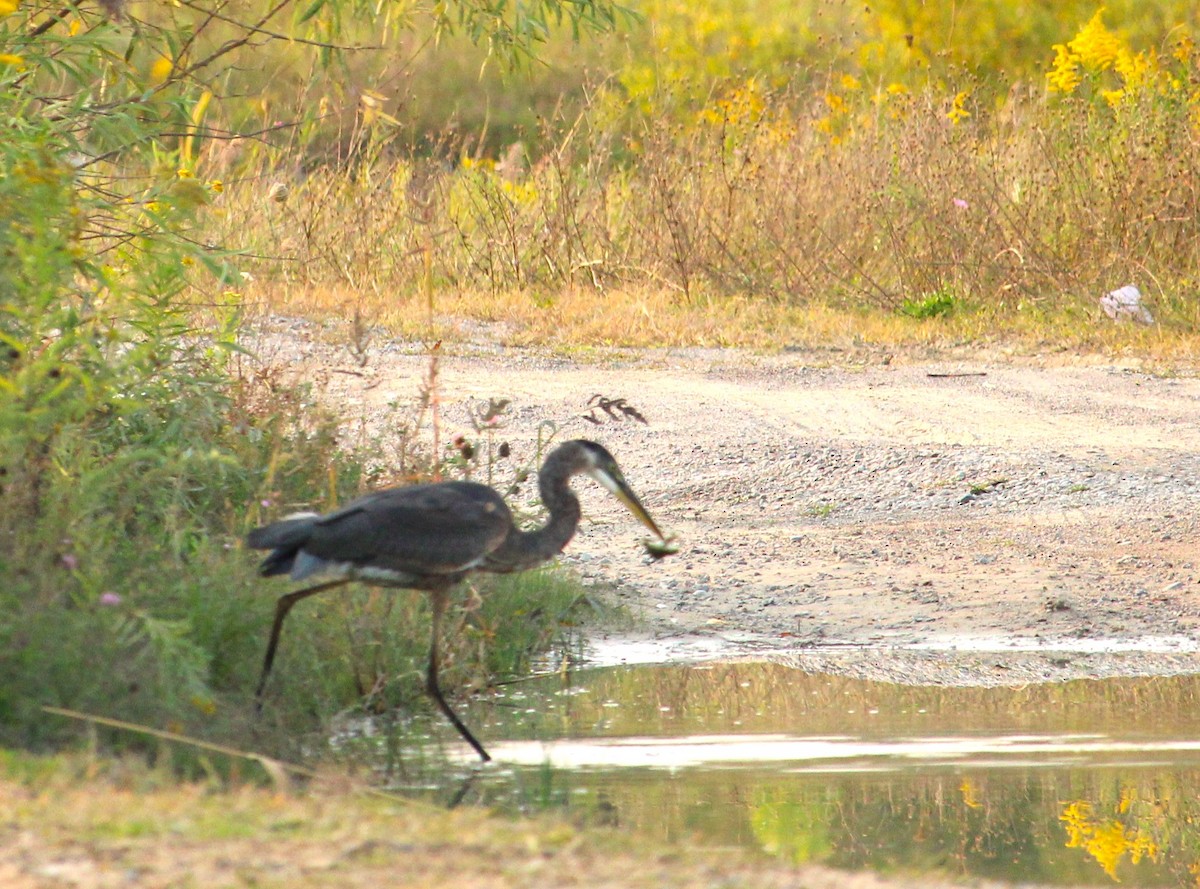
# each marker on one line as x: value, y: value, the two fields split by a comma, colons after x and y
x: 429, y: 537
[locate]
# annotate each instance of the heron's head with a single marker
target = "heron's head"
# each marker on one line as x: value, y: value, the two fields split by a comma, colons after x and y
x: 600, y: 465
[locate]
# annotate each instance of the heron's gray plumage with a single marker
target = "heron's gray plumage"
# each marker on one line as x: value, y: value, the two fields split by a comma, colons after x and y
x: 419, y: 533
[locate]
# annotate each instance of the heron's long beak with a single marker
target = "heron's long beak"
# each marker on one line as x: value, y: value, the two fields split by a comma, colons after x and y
x: 625, y: 494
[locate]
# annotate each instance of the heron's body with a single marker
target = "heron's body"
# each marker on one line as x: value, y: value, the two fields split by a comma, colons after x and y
x: 429, y: 537
x: 354, y: 542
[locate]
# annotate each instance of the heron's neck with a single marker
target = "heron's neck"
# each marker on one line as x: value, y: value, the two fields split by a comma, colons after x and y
x: 549, y: 540
x: 563, y: 506
x: 524, y: 549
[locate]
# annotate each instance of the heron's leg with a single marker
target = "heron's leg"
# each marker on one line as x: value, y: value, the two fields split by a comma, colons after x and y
x: 439, y: 599
x: 282, y: 607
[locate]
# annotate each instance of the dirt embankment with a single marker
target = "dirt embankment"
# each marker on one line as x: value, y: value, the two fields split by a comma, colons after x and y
x: 953, y: 521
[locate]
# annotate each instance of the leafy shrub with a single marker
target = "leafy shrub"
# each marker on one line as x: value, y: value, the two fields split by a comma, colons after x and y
x: 133, y: 454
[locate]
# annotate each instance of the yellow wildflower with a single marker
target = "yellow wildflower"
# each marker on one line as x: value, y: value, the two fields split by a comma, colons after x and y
x: 1095, y: 46
x: 1183, y: 50
x: 958, y: 111
x: 10, y: 59
x: 1063, y: 75
x: 1134, y: 68
x: 850, y: 83
x: 8, y: 7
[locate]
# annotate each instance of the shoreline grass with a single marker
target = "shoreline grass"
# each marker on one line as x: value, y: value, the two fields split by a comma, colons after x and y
x: 82, y: 819
x: 583, y: 322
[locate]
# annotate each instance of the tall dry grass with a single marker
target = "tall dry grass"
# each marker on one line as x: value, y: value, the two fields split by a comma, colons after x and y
x: 728, y: 230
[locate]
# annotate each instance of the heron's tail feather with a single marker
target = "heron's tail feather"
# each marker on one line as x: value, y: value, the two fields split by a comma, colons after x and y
x: 285, y: 538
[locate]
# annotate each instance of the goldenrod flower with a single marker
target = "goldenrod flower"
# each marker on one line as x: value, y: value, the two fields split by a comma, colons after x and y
x: 1095, y: 46
x: 958, y: 111
x: 1183, y: 50
x: 1134, y: 68
x: 1063, y: 75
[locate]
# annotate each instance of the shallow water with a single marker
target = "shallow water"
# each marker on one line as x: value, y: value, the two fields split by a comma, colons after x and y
x: 1072, y: 784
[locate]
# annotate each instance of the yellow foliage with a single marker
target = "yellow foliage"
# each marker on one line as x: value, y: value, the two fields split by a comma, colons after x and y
x: 160, y: 70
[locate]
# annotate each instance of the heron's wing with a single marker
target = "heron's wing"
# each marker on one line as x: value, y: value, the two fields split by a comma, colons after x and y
x: 440, y: 528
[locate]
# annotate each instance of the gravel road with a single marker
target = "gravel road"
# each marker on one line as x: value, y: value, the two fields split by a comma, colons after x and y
x: 961, y: 520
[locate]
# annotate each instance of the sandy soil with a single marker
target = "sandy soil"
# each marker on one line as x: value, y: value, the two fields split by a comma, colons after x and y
x: 964, y: 519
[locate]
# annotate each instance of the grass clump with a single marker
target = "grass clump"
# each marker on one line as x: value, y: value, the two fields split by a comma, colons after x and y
x: 932, y: 306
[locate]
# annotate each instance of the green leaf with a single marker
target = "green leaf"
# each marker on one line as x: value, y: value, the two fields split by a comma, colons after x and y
x: 312, y: 9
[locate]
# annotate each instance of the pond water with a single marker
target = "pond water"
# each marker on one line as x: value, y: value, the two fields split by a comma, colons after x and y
x: 1082, y: 783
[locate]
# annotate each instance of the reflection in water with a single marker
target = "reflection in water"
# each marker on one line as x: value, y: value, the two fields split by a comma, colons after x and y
x: 1110, y: 840
x: 1069, y: 784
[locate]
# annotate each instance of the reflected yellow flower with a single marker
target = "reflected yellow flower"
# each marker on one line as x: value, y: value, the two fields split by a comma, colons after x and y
x: 1107, y: 841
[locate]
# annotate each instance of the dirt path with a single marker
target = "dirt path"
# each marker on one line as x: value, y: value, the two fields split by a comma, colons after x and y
x: 1004, y: 523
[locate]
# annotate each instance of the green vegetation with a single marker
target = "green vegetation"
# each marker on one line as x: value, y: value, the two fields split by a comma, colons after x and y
x: 135, y: 447
x: 940, y: 303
